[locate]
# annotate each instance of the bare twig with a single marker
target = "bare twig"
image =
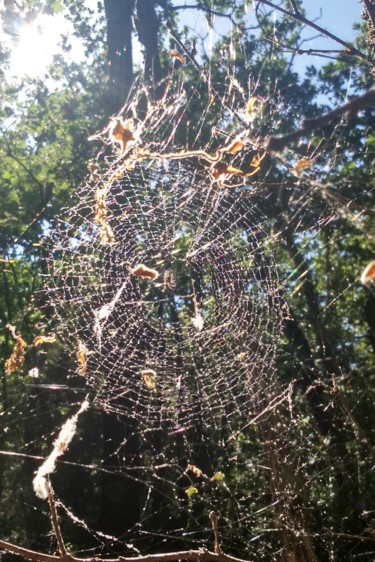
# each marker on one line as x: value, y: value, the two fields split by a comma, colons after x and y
x: 55, y: 521
x: 309, y: 125
x: 217, y: 546
x: 201, y: 555
x: 299, y: 17
x: 295, y: 7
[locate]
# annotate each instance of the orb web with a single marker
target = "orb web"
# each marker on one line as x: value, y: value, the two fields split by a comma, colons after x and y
x: 199, y: 340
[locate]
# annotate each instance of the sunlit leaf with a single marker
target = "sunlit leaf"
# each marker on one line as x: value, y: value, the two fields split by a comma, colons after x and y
x: 218, y: 476
x: 194, y: 469
x: 149, y: 378
x: 177, y: 55
x: 122, y: 132
x: 44, y: 339
x: 250, y: 107
x: 234, y: 147
x: 368, y: 275
x: 221, y: 169
x: 191, y: 491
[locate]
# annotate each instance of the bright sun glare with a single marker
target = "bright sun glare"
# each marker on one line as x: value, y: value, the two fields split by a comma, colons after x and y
x: 37, y: 44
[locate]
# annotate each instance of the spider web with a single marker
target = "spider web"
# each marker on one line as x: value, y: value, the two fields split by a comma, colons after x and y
x: 192, y: 361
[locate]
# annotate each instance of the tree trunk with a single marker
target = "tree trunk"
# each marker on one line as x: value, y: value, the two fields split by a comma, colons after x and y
x: 120, y: 54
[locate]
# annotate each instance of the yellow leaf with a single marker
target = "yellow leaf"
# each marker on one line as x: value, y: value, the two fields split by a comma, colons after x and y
x: 191, y: 491
x: 218, y: 476
x: 44, y: 339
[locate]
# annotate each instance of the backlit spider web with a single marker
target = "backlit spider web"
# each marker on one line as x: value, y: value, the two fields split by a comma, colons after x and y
x: 206, y: 328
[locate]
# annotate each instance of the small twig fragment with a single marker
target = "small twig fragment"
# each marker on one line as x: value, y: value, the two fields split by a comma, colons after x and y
x: 217, y: 547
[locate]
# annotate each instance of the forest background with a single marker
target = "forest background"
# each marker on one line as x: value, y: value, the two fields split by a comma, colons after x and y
x: 298, y: 483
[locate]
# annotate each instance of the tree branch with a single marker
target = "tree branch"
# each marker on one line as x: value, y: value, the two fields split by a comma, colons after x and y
x: 370, y: 10
x: 201, y: 555
x: 55, y: 520
x: 308, y: 125
x: 299, y: 17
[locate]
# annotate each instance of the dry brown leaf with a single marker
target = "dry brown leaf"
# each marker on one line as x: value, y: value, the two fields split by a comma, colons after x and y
x: 234, y: 147
x: 17, y: 358
x: 177, y: 55
x: 149, y: 378
x: 303, y: 164
x: 106, y: 234
x: 250, y: 107
x: 44, y: 339
x: 194, y: 469
x: 93, y: 168
x: 368, y: 275
x: 82, y: 357
x: 220, y: 169
x: 121, y: 132
x: 144, y: 272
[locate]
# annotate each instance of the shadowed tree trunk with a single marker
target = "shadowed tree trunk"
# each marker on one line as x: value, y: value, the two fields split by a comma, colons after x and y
x: 119, y: 50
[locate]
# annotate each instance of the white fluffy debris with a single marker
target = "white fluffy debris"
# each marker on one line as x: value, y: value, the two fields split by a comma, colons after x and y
x: 198, y: 322
x: 59, y: 447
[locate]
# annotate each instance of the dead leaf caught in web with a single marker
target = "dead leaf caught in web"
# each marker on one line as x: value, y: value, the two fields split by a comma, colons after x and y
x: 368, y: 275
x: 303, y: 164
x: 17, y: 358
x: 177, y: 55
x: 233, y: 147
x: 122, y: 132
x: 44, y: 339
x: 251, y: 109
x: 194, y: 469
x: 82, y: 357
x: 149, y: 378
x: 222, y: 169
x: 144, y: 272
